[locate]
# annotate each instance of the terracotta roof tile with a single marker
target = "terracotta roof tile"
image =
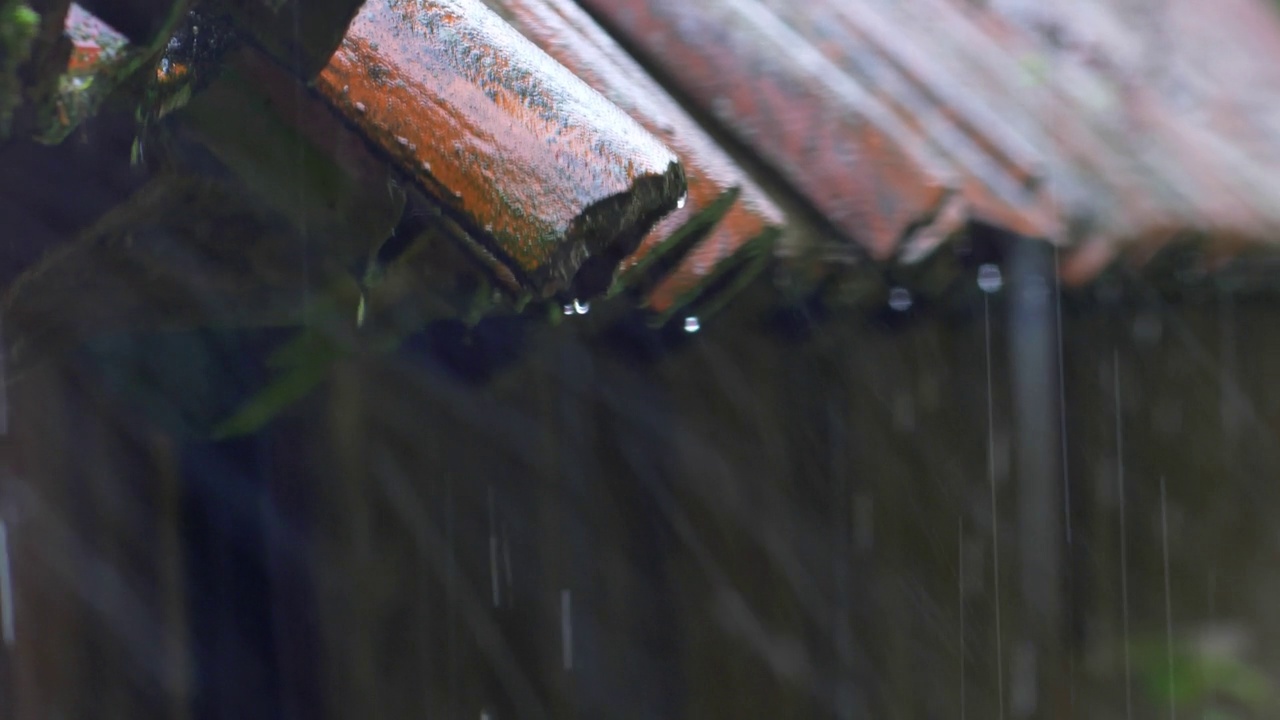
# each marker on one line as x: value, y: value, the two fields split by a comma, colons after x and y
x: 1087, y: 124
x: 570, y: 35
x: 1000, y: 172
x: 854, y: 159
x: 522, y: 148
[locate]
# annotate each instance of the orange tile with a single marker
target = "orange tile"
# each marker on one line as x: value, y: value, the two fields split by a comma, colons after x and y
x: 841, y: 148
x: 1000, y: 172
x: 574, y: 39
x: 535, y: 162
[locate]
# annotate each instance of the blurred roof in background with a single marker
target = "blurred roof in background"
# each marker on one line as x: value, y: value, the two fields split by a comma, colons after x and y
x: 1103, y: 125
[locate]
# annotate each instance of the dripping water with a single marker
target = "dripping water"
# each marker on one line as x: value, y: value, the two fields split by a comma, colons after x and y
x: 995, y: 524
x: 1066, y: 470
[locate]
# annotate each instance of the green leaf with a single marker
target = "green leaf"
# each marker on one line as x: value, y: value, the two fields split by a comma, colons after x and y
x: 285, y: 390
x: 1189, y: 675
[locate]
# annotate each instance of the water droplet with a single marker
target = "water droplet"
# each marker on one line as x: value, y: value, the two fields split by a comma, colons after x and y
x: 684, y: 198
x: 402, y: 140
x: 568, y: 309
x: 900, y: 299
x: 581, y: 308
x: 426, y: 166
x: 346, y: 89
x: 989, y: 278
x: 360, y: 107
x: 691, y: 324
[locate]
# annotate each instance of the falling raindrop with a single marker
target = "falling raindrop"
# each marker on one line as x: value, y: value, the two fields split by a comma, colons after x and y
x: 900, y: 299
x: 566, y: 628
x: 995, y: 508
x: 989, y: 278
x: 684, y: 198
x: 581, y: 308
x: 691, y: 324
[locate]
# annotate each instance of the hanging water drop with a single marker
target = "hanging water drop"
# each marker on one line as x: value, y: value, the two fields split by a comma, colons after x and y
x: 989, y: 278
x: 568, y: 309
x: 691, y: 325
x: 900, y: 299
x: 581, y: 308
x: 684, y: 198
x: 360, y: 107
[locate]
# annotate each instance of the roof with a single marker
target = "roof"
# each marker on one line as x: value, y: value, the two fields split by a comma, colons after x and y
x: 1086, y: 124
x: 666, y: 146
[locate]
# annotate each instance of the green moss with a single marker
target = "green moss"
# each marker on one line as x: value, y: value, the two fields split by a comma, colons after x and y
x: 81, y: 94
x: 19, y: 26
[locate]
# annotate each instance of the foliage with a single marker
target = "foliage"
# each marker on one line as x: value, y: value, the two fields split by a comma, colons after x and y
x: 19, y: 26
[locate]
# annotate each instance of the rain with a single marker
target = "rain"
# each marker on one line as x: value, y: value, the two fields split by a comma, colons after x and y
x: 855, y: 359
